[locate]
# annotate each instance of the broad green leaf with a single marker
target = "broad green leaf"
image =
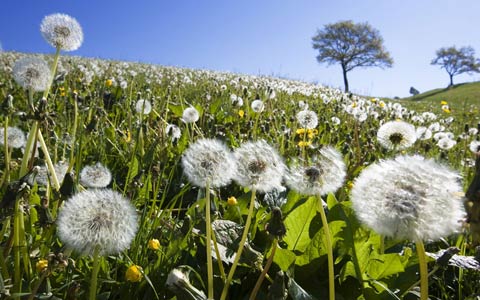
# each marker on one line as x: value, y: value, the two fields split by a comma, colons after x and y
x: 297, y: 292
x: 298, y: 223
x: 284, y: 258
x: 385, y: 265
x: 177, y: 110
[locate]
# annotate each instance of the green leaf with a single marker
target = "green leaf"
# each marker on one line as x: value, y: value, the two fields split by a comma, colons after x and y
x: 385, y: 265
x: 284, y: 258
x: 298, y: 223
x: 297, y: 292
x: 177, y: 110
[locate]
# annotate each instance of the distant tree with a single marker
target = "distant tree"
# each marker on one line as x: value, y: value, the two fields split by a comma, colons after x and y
x: 456, y: 61
x: 414, y: 91
x: 351, y: 45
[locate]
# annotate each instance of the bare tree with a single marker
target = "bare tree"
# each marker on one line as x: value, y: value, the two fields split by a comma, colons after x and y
x: 351, y: 45
x: 456, y: 61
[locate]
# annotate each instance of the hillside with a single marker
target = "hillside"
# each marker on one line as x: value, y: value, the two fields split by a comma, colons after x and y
x: 462, y: 98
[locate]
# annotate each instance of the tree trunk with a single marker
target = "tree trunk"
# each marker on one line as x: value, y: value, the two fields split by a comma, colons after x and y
x: 451, y: 80
x: 345, y: 80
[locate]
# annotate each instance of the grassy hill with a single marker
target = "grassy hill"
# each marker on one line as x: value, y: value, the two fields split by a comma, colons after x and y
x: 463, y: 99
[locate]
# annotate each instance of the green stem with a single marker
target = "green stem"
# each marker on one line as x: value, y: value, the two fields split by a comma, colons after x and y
x: 253, y: 295
x: 219, y: 261
x: 28, y: 148
x: 328, y: 238
x: 53, y: 70
x: 51, y: 169
x: 422, y: 262
x: 240, y: 247
x: 74, y: 133
x: 208, y: 229
x: 95, y: 269
x: 7, y: 156
x: 17, y: 283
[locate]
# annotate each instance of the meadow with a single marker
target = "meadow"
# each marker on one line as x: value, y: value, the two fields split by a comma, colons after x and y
x: 142, y: 134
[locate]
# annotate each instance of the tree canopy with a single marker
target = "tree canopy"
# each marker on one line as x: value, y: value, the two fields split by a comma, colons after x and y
x: 456, y: 61
x: 351, y: 45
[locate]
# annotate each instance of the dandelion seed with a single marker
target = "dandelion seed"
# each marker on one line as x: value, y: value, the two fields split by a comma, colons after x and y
x: 446, y: 143
x: 325, y: 173
x: 43, y: 174
x: 257, y: 106
x: 396, y: 135
x: 62, y: 31
x: 98, y: 218
x: 307, y: 119
x: 409, y: 197
x: 208, y: 160
x: 15, y: 137
x: 97, y: 176
x: 259, y: 166
x: 143, y: 106
x: 32, y: 73
x: 190, y: 115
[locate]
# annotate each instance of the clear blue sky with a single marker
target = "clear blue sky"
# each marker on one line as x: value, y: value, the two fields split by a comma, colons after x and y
x: 271, y: 37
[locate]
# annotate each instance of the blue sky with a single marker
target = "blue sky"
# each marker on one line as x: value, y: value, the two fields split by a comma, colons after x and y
x: 270, y: 37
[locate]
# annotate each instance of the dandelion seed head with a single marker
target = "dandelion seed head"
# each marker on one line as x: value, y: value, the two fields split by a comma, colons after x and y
x: 423, y: 133
x: 396, y: 135
x: 173, y: 131
x: 32, y: 73
x: 257, y: 106
x: 324, y: 174
x: 409, y: 197
x: 15, y: 137
x: 474, y: 146
x: 307, y: 119
x: 259, y: 166
x: 96, y: 176
x: 446, y: 143
x: 143, y: 106
x: 62, y: 31
x: 190, y: 115
x: 43, y: 175
x: 208, y: 160
x: 99, y: 218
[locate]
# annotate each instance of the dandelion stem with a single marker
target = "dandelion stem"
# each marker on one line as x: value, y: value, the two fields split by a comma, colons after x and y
x: 53, y: 70
x: 208, y: 229
x: 422, y: 262
x: 240, y: 247
x: 328, y: 238
x: 95, y: 269
x: 7, y: 156
x: 74, y: 133
x: 217, y: 252
x: 253, y: 295
x: 51, y: 169
x: 17, y: 283
x: 28, y: 148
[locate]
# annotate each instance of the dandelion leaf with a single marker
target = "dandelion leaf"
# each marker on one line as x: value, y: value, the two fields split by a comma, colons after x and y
x: 298, y: 223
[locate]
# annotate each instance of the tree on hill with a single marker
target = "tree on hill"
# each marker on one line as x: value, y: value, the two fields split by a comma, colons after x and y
x: 456, y: 61
x: 351, y: 45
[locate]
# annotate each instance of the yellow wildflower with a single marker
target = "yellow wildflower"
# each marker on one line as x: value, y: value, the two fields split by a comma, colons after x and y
x: 382, y: 104
x: 300, y: 131
x: 109, y: 82
x: 127, y: 136
x: 443, y: 102
x: 241, y: 113
x: 41, y: 265
x: 446, y: 110
x: 304, y: 143
x: 154, y: 244
x: 374, y: 100
x: 350, y: 185
x: 312, y: 133
x: 134, y: 274
x: 232, y: 201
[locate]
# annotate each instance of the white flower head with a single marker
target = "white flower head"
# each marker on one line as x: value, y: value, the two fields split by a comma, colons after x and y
x: 446, y: 143
x: 15, y: 137
x: 96, y: 176
x: 32, y: 73
x: 474, y: 146
x: 143, y: 106
x: 307, y: 119
x: 409, y: 197
x: 472, y: 131
x: 396, y: 135
x: 423, y: 133
x: 335, y: 121
x: 43, y: 174
x: 257, y: 106
x: 190, y: 115
x: 324, y: 174
x: 173, y: 131
x: 100, y: 218
x: 208, y: 160
x: 259, y: 166
x: 62, y: 31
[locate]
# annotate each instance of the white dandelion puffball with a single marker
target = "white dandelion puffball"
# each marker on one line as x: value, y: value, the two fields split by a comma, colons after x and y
x: 100, y: 218
x: 259, y: 166
x: 423, y: 133
x: 257, y: 106
x: 143, y: 106
x: 32, y: 73
x: 208, y: 160
x: 190, y: 115
x: 446, y: 143
x: 15, y: 137
x: 43, y: 174
x: 97, y: 176
x: 409, y: 197
x: 307, y: 119
x: 474, y: 146
x: 62, y: 31
x: 396, y: 135
x: 335, y: 121
x: 173, y: 131
x: 324, y: 174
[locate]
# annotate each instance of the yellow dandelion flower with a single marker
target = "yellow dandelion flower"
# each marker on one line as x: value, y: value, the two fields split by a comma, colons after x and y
x: 41, y: 265
x: 374, y: 100
x: 382, y: 104
x: 304, y: 143
x: 446, y: 110
x: 232, y: 201
x: 300, y: 131
x: 153, y: 244
x: 354, y: 104
x: 350, y: 185
x: 134, y: 273
x: 241, y: 113
x: 127, y: 136
x: 443, y: 102
x: 109, y: 82
x: 311, y: 133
